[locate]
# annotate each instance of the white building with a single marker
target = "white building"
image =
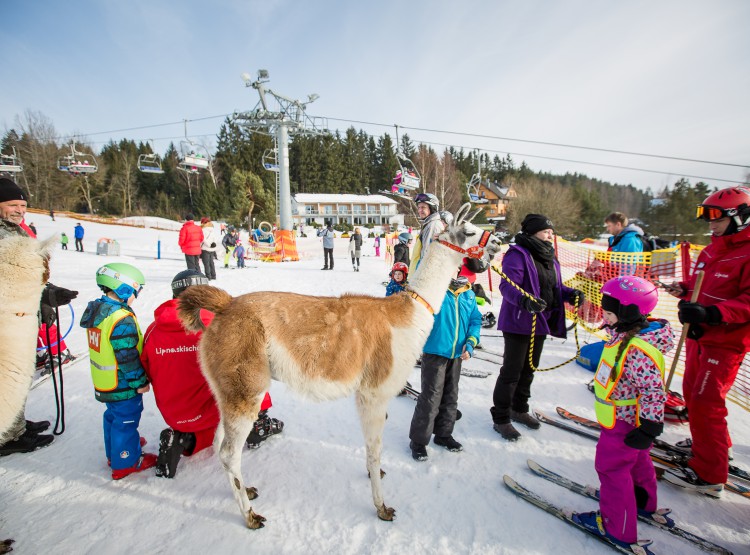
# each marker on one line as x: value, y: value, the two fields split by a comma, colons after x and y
x: 350, y: 209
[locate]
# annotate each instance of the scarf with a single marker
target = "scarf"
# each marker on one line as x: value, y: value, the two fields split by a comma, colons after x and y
x: 543, y: 254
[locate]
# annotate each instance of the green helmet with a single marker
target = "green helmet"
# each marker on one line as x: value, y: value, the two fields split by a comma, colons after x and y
x: 123, y: 279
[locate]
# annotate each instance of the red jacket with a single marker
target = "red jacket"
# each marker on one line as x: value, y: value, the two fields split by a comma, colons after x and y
x: 191, y: 237
x: 726, y: 284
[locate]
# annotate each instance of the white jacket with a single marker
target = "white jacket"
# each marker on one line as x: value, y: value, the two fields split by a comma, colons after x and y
x: 210, y: 237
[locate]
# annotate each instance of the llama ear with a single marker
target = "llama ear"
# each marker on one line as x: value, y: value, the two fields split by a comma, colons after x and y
x: 460, y: 216
x: 47, y: 246
x: 473, y: 214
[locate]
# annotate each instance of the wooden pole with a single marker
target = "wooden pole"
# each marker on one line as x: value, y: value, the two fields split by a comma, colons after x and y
x: 685, y: 329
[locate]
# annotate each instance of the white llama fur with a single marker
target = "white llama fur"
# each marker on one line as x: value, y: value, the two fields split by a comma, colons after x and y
x: 297, y: 339
x: 23, y: 273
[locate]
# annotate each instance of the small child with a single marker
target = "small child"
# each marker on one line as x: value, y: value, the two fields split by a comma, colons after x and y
x: 629, y: 406
x: 239, y: 254
x: 115, y: 343
x: 452, y: 340
x: 64, y: 241
x: 399, y: 273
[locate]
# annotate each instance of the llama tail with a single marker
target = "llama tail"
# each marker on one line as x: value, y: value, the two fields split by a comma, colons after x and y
x: 194, y: 298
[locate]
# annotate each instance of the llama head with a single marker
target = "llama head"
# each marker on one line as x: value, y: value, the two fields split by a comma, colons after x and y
x: 24, y: 265
x: 473, y: 241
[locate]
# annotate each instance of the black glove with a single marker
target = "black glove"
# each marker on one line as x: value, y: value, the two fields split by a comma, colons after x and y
x: 577, y: 297
x: 57, y: 296
x: 696, y: 313
x: 213, y: 245
x: 533, y: 304
x: 644, y: 435
x: 227, y: 247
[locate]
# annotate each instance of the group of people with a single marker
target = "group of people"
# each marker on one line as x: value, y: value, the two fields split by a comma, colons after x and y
x: 199, y: 243
x: 125, y: 364
x: 78, y: 232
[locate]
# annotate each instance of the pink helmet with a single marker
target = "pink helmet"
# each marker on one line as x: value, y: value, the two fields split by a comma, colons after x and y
x: 631, y: 290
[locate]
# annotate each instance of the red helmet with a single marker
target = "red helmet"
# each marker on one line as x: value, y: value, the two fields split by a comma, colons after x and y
x: 732, y: 202
x: 400, y: 267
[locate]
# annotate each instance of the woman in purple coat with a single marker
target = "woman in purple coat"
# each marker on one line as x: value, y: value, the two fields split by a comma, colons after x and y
x: 531, y: 264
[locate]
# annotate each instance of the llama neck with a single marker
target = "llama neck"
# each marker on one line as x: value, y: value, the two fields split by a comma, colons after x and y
x: 434, y: 274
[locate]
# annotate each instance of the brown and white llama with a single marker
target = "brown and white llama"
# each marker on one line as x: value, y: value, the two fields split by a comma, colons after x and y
x: 296, y: 339
x: 24, y: 270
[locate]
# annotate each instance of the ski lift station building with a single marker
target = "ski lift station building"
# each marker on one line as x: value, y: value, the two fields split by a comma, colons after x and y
x: 309, y: 208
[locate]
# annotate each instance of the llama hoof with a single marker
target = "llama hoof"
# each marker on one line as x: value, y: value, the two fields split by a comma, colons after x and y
x: 254, y: 521
x: 5, y: 546
x: 252, y: 493
x: 386, y: 513
x: 382, y: 473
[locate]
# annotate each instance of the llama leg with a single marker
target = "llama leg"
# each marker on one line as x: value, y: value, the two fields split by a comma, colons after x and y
x: 234, y: 434
x: 372, y: 418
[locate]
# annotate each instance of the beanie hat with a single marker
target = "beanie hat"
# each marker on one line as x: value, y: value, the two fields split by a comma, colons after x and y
x: 189, y: 216
x: 10, y: 191
x: 205, y: 220
x: 534, y: 223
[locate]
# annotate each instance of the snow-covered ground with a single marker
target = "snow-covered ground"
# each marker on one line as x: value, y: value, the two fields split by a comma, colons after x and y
x: 313, y: 485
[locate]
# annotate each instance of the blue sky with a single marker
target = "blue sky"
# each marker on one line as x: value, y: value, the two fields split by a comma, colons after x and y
x: 668, y: 78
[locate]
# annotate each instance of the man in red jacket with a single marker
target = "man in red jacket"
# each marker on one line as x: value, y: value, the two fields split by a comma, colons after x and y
x: 170, y: 357
x: 191, y: 237
x: 718, y: 339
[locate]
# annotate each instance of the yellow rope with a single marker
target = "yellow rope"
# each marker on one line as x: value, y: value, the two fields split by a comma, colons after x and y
x: 533, y: 325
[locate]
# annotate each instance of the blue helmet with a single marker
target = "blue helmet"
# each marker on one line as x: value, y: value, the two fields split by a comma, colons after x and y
x: 404, y: 237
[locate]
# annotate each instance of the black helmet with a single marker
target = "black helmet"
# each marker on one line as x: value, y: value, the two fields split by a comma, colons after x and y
x: 185, y: 279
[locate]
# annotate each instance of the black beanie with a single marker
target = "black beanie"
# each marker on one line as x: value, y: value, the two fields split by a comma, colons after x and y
x: 189, y: 216
x: 534, y: 223
x: 10, y: 191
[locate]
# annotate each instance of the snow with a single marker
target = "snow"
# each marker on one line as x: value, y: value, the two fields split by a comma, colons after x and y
x: 313, y: 485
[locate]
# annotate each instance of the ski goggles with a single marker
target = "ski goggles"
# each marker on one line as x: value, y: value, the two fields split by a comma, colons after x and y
x: 424, y: 197
x: 710, y: 213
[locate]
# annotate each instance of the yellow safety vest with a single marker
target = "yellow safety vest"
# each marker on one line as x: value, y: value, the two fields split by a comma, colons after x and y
x: 603, y: 384
x: 102, y: 354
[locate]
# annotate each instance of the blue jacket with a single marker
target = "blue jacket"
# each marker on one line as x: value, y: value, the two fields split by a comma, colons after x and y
x: 393, y: 287
x: 78, y: 232
x: 628, y: 240
x: 519, y: 266
x: 458, y: 323
x: 328, y: 236
x: 124, y: 338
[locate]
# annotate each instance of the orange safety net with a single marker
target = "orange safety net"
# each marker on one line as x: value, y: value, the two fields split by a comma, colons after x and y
x: 587, y: 266
x: 283, y: 248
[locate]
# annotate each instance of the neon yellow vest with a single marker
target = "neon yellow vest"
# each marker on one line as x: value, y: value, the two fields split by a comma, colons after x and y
x: 102, y: 354
x: 603, y: 384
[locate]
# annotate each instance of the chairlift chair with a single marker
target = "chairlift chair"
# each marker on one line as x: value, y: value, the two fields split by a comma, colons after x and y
x: 472, y: 190
x: 10, y: 163
x: 77, y: 163
x: 192, y: 161
x: 270, y: 161
x: 150, y: 163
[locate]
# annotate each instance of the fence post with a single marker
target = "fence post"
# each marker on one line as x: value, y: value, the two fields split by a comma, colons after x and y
x: 158, y: 249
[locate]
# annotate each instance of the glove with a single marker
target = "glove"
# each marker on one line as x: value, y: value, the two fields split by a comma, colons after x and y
x: 644, y: 435
x: 533, y: 304
x: 57, y: 296
x: 577, y: 297
x: 227, y: 248
x: 696, y: 313
x: 213, y: 245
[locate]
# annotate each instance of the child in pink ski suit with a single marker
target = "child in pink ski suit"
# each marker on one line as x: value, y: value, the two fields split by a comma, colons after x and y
x: 629, y: 404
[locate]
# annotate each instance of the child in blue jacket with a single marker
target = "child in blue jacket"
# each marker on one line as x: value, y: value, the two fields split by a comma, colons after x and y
x: 115, y: 342
x: 454, y: 335
x: 399, y: 274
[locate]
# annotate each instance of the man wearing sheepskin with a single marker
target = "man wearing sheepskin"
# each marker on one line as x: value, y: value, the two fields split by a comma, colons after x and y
x: 24, y: 435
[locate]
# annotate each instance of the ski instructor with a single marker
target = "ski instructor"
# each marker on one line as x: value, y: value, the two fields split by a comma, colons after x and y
x: 25, y: 436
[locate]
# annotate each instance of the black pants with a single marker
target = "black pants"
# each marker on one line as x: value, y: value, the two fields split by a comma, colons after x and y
x: 438, y: 402
x: 192, y: 262
x: 79, y: 245
x: 513, y: 386
x: 328, y: 258
x: 208, y: 264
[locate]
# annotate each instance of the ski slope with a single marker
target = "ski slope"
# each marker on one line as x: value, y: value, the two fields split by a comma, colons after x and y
x: 312, y: 480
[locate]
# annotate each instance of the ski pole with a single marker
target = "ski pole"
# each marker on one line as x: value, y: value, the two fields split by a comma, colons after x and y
x: 685, y: 329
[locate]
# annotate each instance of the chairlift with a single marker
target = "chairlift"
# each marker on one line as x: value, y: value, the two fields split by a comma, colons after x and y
x: 10, y: 163
x: 191, y: 161
x: 472, y: 187
x: 77, y: 163
x: 270, y: 161
x: 407, y: 177
x: 150, y: 163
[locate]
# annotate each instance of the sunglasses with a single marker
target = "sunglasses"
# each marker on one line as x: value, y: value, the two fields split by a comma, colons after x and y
x: 709, y: 213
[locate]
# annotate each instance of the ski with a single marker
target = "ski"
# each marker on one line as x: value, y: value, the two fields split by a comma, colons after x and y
x: 566, y: 516
x: 40, y: 378
x: 662, y: 445
x: 471, y: 373
x: 593, y: 493
x: 578, y: 430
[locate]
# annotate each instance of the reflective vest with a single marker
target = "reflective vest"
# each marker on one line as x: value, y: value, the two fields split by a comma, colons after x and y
x: 101, y: 353
x: 605, y: 407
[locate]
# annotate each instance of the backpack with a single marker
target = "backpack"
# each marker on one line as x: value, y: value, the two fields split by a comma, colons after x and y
x: 648, y: 246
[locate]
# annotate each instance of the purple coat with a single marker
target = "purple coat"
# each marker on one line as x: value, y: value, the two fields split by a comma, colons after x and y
x: 519, y: 266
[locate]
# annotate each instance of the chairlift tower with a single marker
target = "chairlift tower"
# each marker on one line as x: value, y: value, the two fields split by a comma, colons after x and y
x: 286, y: 118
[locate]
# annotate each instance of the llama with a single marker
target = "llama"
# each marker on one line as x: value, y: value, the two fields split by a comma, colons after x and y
x: 24, y: 270
x: 295, y: 339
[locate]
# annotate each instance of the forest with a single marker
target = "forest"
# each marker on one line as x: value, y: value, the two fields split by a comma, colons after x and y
x: 236, y: 187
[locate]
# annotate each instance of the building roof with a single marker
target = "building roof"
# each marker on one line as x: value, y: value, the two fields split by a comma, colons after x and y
x: 302, y: 198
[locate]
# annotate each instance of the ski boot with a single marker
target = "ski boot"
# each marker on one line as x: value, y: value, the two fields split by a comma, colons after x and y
x: 262, y: 428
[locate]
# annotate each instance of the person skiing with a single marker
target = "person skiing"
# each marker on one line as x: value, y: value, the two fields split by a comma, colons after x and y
x: 630, y: 397
x: 115, y: 343
x: 454, y: 335
x: 719, y: 337
x: 170, y: 359
x: 399, y: 274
